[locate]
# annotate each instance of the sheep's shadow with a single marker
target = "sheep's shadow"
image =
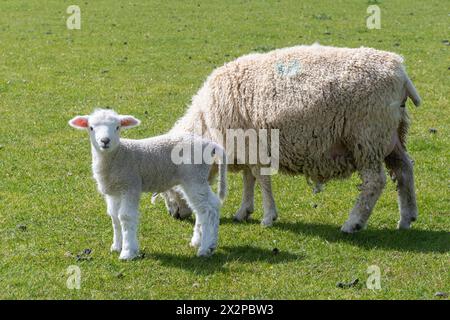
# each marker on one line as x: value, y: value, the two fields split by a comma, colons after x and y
x: 226, y: 220
x: 231, y: 220
x: 222, y: 257
x: 413, y: 240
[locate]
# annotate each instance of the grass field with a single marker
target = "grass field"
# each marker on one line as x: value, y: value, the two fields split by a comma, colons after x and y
x: 147, y: 58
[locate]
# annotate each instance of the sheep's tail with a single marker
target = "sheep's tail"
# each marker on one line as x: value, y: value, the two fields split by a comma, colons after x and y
x: 412, y: 93
x: 222, y: 186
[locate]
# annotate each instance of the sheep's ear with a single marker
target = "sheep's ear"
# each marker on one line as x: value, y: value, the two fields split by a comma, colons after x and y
x: 128, y: 122
x: 79, y: 122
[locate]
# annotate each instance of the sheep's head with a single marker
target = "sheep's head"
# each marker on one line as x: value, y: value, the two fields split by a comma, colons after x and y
x: 104, y: 127
x: 175, y: 204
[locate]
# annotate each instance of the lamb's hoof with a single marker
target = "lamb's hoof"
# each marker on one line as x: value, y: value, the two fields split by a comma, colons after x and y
x: 129, y: 254
x: 242, y: 214
x: 352, y: 227
x: 115, y: 248
x: 205, y: 252
x: 195, y: 243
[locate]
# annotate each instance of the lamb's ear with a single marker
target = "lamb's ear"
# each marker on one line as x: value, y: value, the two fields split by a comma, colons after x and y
x: 79, y: 122
x: 129, y: 122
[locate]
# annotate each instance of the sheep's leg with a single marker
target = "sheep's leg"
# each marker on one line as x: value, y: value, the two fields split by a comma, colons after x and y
x: 270, y: 210
x: 402, y: 172
x: 248, y: 196
x: 373, y: 182
x: 128, y: 217
x: 113, y: 204
x: 206, y: 207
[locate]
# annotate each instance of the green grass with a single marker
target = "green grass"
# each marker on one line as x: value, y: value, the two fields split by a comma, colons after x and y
x: 147, y: 58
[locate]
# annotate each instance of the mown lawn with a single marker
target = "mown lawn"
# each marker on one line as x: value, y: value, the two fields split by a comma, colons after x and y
x: 147, y: 58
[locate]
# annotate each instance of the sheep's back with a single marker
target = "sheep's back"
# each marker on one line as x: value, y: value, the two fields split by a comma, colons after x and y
x: 314, y: 95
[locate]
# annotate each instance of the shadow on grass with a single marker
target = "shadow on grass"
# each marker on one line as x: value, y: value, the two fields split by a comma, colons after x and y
x: 413, y: 240
x: 227, y: 220
x: 218, y: 262
x: 230, y: 220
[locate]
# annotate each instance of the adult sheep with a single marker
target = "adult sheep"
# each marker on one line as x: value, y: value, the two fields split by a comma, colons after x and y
x: 338, y: 110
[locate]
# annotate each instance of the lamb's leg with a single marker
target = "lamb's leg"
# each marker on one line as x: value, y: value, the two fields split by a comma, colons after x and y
x: 373, y: 182
x: 402, y: 171
x: 196, y: 237
x: 128, y: 217
x: 270, y: 210
x: 206, y: 207
x: 248, y: 196
x: 210, y: 225
x: 113, y: 204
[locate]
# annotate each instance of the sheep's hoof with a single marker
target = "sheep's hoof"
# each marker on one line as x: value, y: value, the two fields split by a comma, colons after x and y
x: 202, y: 252
x: 352, y: 227
x: 238, y: 219
x: 242, y: 214
x: 128, y: 254
x: 405, y: 224
x: 115, y: 248
x: 407, y: 219
x: 268, y: 221
x: 402, y: 225
x: 267, y: 224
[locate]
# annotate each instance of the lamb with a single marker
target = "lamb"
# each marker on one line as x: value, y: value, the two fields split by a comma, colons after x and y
x: 125, y: 168
x: 338, y: 110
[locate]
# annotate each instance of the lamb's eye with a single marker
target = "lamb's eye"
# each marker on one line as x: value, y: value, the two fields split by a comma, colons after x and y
x: 117, y: 128
x: 92, y: 129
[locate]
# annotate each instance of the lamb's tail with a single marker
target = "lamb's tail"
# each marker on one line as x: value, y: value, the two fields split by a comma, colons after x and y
x: 412, y: 93
x: 222, y: 157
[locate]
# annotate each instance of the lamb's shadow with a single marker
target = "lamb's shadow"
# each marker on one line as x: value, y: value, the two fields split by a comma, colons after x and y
x: 413, y: 240
x: 224, y: 256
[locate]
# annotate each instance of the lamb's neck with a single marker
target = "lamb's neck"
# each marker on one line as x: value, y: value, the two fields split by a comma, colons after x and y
x: 101, y: 161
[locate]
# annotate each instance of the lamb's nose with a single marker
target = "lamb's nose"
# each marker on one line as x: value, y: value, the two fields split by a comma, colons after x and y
x: 105, y: 140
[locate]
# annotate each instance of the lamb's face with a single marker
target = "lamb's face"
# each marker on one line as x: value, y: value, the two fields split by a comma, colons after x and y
x: 104, y: 133
x: 104, y: 128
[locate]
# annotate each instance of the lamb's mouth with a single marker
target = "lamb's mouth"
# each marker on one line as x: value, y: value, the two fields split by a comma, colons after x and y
x: 104, y: 147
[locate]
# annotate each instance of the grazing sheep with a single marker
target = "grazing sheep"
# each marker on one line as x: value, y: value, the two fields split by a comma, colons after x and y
x: 125, y: 168
x: 338, y: 110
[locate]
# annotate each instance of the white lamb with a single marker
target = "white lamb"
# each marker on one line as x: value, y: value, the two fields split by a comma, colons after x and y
x: 125, y: 168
